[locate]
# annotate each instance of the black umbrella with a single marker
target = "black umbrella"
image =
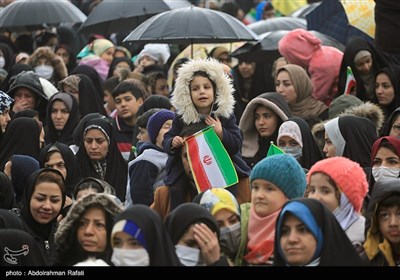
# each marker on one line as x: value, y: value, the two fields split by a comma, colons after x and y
x: 191, y: 25
x: 125, y: 15
x: 277, y: 23
x: 35, y: 13
x: 266, y: 49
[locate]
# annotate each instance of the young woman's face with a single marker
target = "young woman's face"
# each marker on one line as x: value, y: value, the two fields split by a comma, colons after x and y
x: 56, y: 161
x: 364, y: 65
x: 45, y: 203
x: 284, y: 86
x: 108, y: 55
x: 202, y: 93
x: 297, y: 242
x: 247, y: 69
x: 64, y: 55
x: 385, y: 157
x: 321, y: 189
x: 124, y: 240
x: 4, y: 119
x: 266, y: 198
x: 266, y: 121
x: 92, y: 230
x: 226, y: 218
x: 96, y: 144
x: 59, y: 114
x: 329, y: 149
x: 384, y: 90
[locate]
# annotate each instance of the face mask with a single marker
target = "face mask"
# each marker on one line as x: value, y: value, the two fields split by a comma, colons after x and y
x: 44, y: 71
x: 130, y: 257
x: 296, y: 152
x: 2, y: 61
x: 188, y: 256
x: 382, y: 172
x: 230, y: 239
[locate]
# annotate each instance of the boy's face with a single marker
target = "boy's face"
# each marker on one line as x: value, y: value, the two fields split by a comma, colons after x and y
x: 127, y: 105
x: 202, y: 93
x: 143, y: 135
x: 266, y: 198
x: 389, y: 223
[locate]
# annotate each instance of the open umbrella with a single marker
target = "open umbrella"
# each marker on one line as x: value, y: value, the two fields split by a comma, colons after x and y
x: 30, y: 14
x: 191, y: 25
x: 344, y: 19
x: 277, y: 23
x: 303, y: 11
x: 266, y: 49
x: 125, y: 15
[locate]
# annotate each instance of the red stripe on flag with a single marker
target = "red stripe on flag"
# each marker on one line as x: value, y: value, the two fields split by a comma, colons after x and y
x: 200, y: 175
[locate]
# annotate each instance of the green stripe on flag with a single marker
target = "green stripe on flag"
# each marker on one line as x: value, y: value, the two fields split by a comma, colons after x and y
x: 221, y: 156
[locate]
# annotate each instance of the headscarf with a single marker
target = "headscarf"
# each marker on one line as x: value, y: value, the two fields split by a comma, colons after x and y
x: 65, y: 135
x: 7, y: 196
x: 157, y: 242
x: 116, y: 166
x: 333, y: 246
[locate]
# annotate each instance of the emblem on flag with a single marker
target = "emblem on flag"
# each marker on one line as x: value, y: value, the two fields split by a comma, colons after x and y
x: 209, y: 161
x: 351, y: 82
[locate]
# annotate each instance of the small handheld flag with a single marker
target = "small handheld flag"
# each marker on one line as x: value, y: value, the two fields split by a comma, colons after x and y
x: 209, y: 161
x: 351, y: 82
x: 274, y: 150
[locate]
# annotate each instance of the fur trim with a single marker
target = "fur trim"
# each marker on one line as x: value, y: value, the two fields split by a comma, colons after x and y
x: 57, y: 62
x: 68, y: 225
x: 367, y: 110
x: 181, y: 98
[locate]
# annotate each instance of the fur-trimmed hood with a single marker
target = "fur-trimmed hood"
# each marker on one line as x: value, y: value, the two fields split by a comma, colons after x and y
x: 367, y: 110
x: 68, y: 226
x: 57, y: 62
x: 181, y: 98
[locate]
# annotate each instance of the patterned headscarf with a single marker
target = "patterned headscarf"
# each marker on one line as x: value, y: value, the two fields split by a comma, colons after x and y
x: 5, y: 101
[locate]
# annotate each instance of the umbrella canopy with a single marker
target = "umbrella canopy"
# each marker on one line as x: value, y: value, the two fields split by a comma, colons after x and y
x: 191, y: 25
x: 125, y: 15
x: 344, y: 19
x: 267, y: 48
x: 286, y: 7
x: 303, y: 11
x: 35, y: 13
x: 277, y: 23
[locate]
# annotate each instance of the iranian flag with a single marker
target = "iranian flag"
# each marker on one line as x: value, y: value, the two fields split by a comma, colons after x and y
x: 350, y: 82
x: 210, y: 163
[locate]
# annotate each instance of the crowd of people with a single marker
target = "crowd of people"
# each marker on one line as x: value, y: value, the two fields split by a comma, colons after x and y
x: 94, y: 166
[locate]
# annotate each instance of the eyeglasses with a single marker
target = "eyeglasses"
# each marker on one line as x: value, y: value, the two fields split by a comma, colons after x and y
x: 396, y: 128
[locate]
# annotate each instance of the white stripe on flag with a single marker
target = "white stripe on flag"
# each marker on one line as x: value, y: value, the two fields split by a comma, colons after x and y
x: 212, y: 169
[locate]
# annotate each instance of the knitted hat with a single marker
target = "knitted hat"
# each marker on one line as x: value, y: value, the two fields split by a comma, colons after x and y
x: 340, y: 104
x: 216, y: 199
x: 284, y: 172
x: 156, y: 121
x: 348, y: 175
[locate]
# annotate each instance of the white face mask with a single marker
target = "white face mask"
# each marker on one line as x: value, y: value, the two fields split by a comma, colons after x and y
x: 130, y: 257
x: 188, y: 256
x: 2, y: 61
x: 296, y: 152
x: 383, y: 172
x: 44, y: 71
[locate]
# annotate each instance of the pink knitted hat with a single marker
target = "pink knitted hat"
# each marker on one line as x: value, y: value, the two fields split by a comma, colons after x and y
x: 348, y: 175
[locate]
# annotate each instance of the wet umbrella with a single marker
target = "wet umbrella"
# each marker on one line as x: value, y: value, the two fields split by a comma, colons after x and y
x: 303, y: 11
x: 191, y: 25
x: 344, y: 19
x: 266, y: 49
x: 277, y: 23
x: 125, y: 15
x: 30, y: 14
